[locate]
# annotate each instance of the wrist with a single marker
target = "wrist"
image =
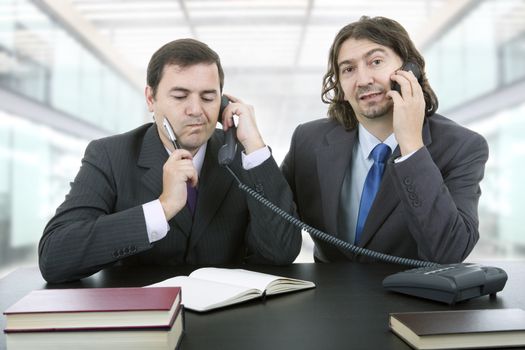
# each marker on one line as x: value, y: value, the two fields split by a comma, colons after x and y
x: 252, y: 146
x: 169, y: 210
x: 409, y: 148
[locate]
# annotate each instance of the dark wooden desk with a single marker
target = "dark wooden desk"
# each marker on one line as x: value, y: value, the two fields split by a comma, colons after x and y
x: 348, y: 309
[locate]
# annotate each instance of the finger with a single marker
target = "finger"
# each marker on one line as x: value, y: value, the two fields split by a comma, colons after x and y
x: 193, y: 178
x: 236, y: 109
x: 233, y: 98
x: 179, y: 154
x: 404, y: 83
x: 227, y: 118
x: 395, y: 96
x: 417, y: 89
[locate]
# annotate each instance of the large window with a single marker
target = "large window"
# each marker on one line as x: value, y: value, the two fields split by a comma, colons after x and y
x: 483, y: 54
x: 43, y: 61
x: 36, y: 166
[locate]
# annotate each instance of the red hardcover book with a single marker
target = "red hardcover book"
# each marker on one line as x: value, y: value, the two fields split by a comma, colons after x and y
x: 95, y: 308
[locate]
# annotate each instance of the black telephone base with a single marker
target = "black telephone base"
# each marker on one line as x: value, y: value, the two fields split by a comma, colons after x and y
x: 449, y: 283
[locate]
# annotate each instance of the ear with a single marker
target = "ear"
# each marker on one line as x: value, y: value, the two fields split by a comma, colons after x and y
x: 150, y: 99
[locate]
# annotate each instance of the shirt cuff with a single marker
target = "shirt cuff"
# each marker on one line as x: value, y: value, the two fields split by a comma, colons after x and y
x: 403, y: 158
x: 156, y: 224
x: 256, y: 158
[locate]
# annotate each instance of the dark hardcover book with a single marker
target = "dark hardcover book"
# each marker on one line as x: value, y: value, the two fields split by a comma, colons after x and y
x: 95, y: 308
x: 460, y: 329
x: 151, y: 338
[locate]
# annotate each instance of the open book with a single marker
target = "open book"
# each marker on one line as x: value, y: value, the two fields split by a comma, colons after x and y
x: 210, y: 288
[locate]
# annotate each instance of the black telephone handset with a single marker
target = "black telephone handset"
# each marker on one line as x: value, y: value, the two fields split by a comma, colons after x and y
x: 408, y: 66
x: 227, y: 151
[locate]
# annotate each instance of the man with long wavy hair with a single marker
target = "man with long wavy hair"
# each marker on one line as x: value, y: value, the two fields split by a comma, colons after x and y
x: 385, y: 171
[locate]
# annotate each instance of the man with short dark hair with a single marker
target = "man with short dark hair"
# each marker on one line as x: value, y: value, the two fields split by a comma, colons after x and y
x: 384, y: 171
x: 139, y: 200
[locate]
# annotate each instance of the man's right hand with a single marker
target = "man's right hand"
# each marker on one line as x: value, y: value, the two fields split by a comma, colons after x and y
x: 177, y: 171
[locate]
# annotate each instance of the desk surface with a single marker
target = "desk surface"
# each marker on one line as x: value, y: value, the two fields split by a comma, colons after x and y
x: 347, y: 310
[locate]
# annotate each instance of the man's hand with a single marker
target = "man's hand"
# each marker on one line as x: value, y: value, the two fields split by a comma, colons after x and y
x: 177, y: 171
x: 247, y: 132
x: 409, y: 112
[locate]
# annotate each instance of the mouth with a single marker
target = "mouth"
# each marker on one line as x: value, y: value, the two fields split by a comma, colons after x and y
x: 370, y: 96
x: 195, y: 125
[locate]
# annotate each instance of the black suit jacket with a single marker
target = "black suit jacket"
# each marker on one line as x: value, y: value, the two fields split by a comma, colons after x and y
x: 101, y: 220
x: 426, y: 207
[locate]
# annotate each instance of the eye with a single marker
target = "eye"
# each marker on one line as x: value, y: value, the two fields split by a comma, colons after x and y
x: 347, y: 69
x: 208, y: 97
x: 377, y: 62
x: 178, y: 97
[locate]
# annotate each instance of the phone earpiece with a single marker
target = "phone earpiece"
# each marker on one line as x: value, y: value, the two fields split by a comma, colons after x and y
x: 224, y: 103
x: 227, y: 151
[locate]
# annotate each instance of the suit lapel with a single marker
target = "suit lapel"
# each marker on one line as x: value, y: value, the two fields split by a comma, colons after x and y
x: 214, y: 183
x: 333, y: 160
x: 386, y: 199
x: 153, y: 155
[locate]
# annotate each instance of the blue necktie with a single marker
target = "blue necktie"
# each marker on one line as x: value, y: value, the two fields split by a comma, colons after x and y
x: 379, y: 154
x: 191, y: 202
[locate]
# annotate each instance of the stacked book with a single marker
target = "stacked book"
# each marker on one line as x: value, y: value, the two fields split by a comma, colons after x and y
x: 97, y: 318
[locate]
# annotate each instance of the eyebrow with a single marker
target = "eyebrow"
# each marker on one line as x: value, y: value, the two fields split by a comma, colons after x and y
x: 366, y: 55
x: 185, y: 90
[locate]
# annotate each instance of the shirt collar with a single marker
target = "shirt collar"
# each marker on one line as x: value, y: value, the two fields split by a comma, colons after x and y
x: 367, y: 141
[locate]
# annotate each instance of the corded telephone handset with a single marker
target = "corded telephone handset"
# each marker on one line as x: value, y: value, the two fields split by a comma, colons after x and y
x: 227, y: 151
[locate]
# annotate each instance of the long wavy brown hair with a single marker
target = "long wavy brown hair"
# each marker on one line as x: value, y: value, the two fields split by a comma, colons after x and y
x: 382, y: 31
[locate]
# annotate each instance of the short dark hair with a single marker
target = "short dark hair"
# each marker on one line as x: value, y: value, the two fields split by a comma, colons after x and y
x: 184, y: 53
x: 383, y: 31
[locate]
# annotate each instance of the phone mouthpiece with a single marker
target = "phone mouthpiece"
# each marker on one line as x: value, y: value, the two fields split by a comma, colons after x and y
x: 227, y: 151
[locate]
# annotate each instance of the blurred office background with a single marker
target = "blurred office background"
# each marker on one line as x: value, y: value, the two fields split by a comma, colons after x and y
x: 74, y: 70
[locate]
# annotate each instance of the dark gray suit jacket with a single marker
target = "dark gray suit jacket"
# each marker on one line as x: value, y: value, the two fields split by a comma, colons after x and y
x: 101, y: 220
x: 426, y: 207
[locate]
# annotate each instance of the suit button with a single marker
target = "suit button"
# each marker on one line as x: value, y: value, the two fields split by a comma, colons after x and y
x: 133, y: 249
x: 259, y: 188
x: 407, y: 181
x: 416, y: 203
x: 115, y: 254
x: 412, y: 196
x: 410, y: 188
x: 121, y: 252
x: 126, y: 250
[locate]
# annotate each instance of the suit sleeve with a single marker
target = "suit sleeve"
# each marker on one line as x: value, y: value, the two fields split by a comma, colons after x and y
x: 85, y: 235
x: 270, y: 239
x: 442, y: 205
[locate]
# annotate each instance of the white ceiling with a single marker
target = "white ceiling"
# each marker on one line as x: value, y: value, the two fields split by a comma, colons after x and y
x: 246, y: 34
x: 274, y: 52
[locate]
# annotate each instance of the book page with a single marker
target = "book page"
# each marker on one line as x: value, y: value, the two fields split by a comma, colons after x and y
x: 201, y: 295
x: 251, y: 279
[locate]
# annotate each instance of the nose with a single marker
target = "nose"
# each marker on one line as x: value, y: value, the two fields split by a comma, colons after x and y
x: 194, y: 107
x: 364, y: 76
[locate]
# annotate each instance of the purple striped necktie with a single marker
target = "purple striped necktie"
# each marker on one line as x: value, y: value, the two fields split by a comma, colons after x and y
x: 192, y: 198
